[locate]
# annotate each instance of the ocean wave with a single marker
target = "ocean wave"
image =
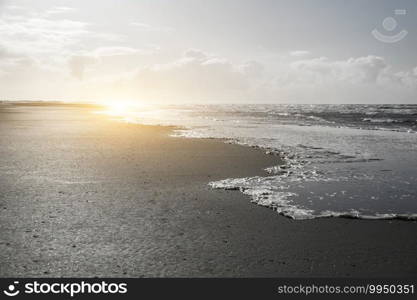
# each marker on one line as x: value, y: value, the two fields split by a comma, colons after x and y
x: 339, y: 146
x: 381, y: 120
x: 260, y: 193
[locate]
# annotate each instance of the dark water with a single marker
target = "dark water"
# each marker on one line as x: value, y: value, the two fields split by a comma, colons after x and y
x: 340, y: 160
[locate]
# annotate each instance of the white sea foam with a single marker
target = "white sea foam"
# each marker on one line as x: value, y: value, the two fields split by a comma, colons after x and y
x: 380, y: 120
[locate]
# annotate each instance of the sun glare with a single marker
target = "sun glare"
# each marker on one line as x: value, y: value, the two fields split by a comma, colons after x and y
x: 117, y: 108
x: 124, y: 109
x: 121, y: 108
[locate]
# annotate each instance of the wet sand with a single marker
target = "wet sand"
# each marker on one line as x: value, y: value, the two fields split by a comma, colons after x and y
x: 82, y: 195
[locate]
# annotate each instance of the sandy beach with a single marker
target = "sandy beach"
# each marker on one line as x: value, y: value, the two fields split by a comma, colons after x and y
x: 84, y: 195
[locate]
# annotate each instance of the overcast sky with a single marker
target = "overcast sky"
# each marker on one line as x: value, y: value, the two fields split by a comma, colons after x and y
x: 212, y: 51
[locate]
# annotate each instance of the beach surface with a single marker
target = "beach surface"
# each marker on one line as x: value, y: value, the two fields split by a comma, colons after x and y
x: 84, y: 195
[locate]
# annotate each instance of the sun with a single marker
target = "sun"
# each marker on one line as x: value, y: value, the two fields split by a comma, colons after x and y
x: 119, y: 107
x: 127, y: 110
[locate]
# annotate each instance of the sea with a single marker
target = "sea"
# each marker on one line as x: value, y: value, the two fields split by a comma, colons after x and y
x: 352, y: 161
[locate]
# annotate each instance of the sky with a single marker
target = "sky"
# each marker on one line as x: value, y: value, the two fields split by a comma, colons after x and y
x: 212, y: 51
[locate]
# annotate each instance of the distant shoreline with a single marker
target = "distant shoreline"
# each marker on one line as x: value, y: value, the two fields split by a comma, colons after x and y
x: 51, y: 103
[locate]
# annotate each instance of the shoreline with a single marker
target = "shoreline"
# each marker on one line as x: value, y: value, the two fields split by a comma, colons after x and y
x: 86, y: 196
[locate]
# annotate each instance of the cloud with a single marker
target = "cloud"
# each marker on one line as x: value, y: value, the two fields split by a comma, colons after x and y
x: 87, y: 60
x: 13, y: 7
x: 406, y: 79
x: 4, y: 53
x: 253, y: 69
x: 78, y: 65
x: 48, y: 34
x: 366, y: 69
x: 117, y: 51
x: 300, y: 53
x: 364, y: 79
x: 150, y: 28
x: 51, y: 44
x: 196, y: 54
x: 13, y: 62
x: 196, y: 76
x: 59, y: 10
x: 34, y: 35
